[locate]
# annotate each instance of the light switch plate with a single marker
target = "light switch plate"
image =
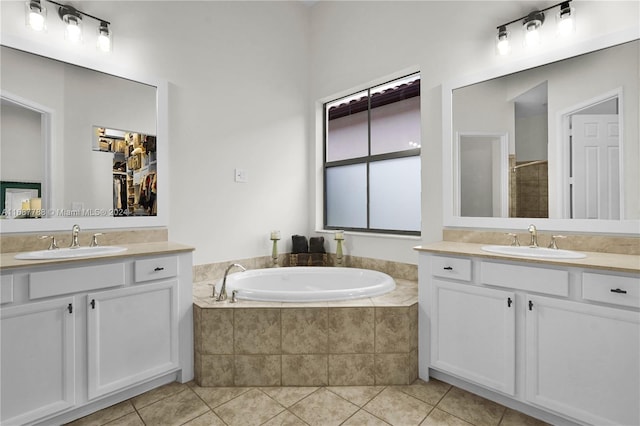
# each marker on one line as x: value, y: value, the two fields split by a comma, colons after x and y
x: 241, y: 176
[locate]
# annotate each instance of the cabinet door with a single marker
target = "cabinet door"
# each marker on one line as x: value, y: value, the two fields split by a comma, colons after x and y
x: 583, y: 360
x: 37, y: 353
x: 132, y: 335
x: 473, y: 334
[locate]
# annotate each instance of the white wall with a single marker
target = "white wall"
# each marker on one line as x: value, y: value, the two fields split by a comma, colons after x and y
x: 355, y: 43
x: 245, y: 77
x: 238, y: 74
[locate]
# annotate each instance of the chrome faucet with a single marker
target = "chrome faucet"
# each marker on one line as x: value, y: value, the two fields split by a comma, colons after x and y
x: 534, y: 236
x: 74, y: 236
x: 223, y: 290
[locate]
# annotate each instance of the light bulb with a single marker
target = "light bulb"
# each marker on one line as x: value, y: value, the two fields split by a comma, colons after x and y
x: 73, y: 23
x: 503, y: 45
x: 104, y: 38
x: 104, y: 43
x: 532, y: 38
x: 73, y: 32
x: 566, y: 20
x: 36, y: 15
x: 531, y: 26
x: 36, y: 21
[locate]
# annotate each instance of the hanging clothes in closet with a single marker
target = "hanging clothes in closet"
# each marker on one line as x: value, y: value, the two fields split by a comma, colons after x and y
x: 119, y: 194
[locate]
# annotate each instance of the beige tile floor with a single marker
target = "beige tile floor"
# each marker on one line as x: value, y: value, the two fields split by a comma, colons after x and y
x: 428, y: 404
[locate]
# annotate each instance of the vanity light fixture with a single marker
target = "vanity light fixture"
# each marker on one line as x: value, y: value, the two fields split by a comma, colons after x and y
x: 531, y: 25
x: 72, y: 18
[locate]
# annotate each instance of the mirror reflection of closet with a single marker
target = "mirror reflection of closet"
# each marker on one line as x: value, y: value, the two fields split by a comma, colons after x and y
x: 134, y: 168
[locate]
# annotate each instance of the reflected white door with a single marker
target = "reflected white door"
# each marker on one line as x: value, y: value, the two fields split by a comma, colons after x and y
x: 596, y: 166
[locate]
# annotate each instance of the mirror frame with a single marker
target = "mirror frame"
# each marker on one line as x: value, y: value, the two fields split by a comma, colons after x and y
x: 451, y: 192
x: 162, y: 134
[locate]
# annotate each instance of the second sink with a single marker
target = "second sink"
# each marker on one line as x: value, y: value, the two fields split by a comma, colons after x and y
x: 537, y: 252
x: 65, y: 253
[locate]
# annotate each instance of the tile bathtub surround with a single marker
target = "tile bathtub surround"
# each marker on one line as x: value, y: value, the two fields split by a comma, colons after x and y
x: 16, y: 243
x: 592, y: 243
x: 371, y: 341
x: 215, y: 271
x: 420, y: 403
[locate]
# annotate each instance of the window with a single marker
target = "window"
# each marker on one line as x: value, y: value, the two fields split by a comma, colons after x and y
x: 372, y: 159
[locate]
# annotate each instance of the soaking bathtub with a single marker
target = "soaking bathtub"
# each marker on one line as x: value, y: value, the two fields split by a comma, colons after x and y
x: 308, y: 284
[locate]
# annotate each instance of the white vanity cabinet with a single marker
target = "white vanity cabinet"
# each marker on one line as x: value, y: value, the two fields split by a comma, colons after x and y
x: 38, y: 358
x: 583, y: 360
x: 132, y: 335
x: 80, y: 336
x: 482, y: 324
x: 562, y: 340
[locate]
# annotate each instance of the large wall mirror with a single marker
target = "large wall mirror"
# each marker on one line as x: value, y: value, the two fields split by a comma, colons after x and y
x: 80, y: 145
x: 556, y: 144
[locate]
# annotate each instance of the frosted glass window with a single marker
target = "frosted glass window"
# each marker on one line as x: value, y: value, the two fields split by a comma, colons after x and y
x: 346, y: 198
x: 396, y: 126
x: 372, y: 159
x: 395, y: 194
x: 348, y: 137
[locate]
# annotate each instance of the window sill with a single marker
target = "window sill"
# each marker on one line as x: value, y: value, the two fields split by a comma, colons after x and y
x: 373, y: 235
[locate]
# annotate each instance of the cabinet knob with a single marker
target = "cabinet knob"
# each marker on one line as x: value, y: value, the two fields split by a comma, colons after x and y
x: 159, y: 268
x: 70, y: 308
x: 448, y: 268
x: 93, y: 303
x: 530, y: 305
x: 509, y: 302
x: 618, y: 290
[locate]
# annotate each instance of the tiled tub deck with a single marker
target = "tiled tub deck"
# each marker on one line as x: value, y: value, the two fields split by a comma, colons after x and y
x: 370, y: 341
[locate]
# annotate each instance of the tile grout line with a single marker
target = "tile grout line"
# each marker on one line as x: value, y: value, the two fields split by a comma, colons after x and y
x: 272, y: 399
x: 233, y: 347
x: 445, y: 411
x: 356, y: 412
x: 138, y: 413
x: 502, y: 416
x: 208, y: 406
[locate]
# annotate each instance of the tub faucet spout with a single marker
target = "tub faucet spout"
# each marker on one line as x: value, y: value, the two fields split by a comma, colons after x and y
x: 223, y: 289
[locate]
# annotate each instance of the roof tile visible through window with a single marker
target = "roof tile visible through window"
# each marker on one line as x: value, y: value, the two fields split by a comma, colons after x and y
x: 384, y: 97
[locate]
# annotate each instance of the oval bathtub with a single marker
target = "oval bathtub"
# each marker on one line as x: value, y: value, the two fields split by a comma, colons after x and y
x: 308, y: 284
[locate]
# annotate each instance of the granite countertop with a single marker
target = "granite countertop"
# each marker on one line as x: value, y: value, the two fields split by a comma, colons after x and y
x: 595, y: 260
x: 8, y: 260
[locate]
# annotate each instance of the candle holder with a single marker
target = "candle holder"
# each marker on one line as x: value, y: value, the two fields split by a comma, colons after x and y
x: 339, y: 237
x: 275, y: 236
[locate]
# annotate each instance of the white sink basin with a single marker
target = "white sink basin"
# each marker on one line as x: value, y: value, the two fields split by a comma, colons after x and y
x: 65, y: 253
x: 537, y: 252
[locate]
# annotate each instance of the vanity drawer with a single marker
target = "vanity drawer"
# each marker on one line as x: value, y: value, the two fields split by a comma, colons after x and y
x: 623, y: 291
x: 75, y: 280
x: 156, y: 268
x: 6, y: 289
x: 451, y: 267
x: 538, y: 280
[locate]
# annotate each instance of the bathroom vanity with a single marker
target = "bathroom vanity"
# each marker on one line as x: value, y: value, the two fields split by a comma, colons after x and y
x: 559, y: 339
x: 82, y: 334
